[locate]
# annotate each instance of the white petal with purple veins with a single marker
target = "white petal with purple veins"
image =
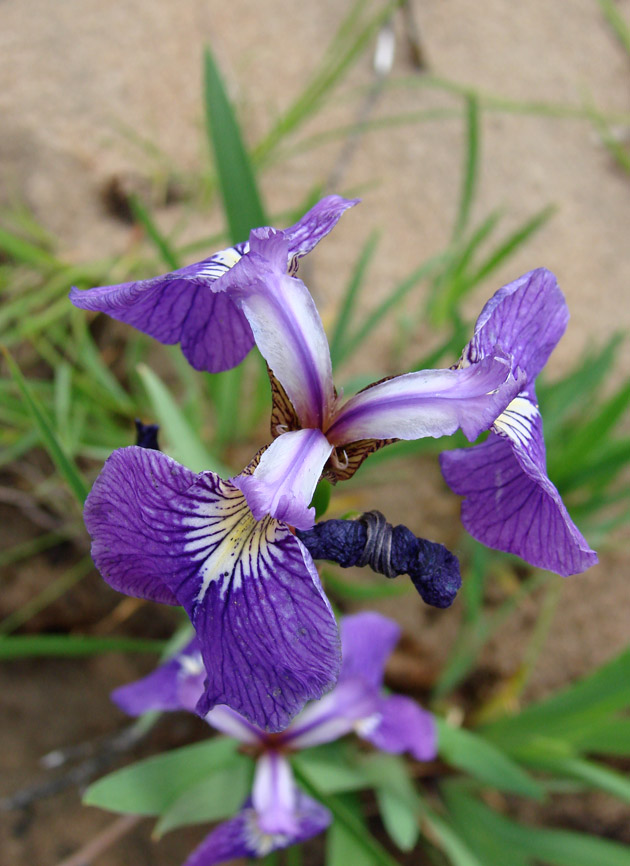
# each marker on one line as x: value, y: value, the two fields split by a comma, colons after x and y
x: 286, y: 326
x: 429, y: 403
x: 284, y: 481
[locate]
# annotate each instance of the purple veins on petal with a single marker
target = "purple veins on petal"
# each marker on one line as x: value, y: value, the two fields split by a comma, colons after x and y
x: 189, y: 306
x: 181, y: 307
x: 526, y: 318
x: 510, y: 502
x: 268, y: 637
x: 316, y: 224
x: 512, y: 505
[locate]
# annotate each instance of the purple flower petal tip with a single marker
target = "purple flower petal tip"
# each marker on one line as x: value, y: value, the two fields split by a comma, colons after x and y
x: 175, y: 685
x: 402, y: 726
x: 316, y: 224
x: 526, y: 318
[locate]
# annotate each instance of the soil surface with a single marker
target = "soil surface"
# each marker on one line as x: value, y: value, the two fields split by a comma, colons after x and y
x: 94, y: 96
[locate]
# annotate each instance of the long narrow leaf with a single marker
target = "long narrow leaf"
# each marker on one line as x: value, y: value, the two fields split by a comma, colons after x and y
x: 471, y: 166
x: 241, y: 200
x: 62, y: 461
x: 342, y: 814
x: 186, y: 446
x: 30, y: 646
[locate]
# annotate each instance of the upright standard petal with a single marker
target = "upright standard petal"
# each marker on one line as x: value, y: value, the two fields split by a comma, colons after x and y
x: 525, y: 318
x: 175, y: 685
x: 242, y: 836
x: 429, y: 403
x: 268, y: 636
x: 286, y: 326
x: 181, y: 307
x: 400, y: 725
x: 510, y: 503
x: 284, y: 481
x: 316, y: 224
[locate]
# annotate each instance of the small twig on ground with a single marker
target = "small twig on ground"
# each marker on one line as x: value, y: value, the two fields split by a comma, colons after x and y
x: 80, y: 774
x: 104, y: 840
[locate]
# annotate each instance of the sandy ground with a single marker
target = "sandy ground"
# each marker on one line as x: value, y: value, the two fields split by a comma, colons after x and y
x: 77, y: 77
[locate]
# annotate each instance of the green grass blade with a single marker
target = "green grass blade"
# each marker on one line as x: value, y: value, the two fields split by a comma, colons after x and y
x: 512, y: 243
x: 64, y: 464
x: 472, y: 753
x: 350, y: 296
x: 48, y: 595
x: 481, y: 825
x: 26, y: 253
x: 350, y: 42
x: 471, y: 166
x: 151, y: 786
x: 241, y: 200
x: 31, y: 646
x: 605, y: 691
x: 345, y: 816
x: 393, y: 299
x: 619, y: 25
x: 163, y: 247
x: 186, y: 446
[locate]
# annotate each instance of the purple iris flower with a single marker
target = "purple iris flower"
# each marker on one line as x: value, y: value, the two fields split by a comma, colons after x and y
x: 225, y: 550
x: 190, y: 306
x: 278, y: 814
x: 510, y: 502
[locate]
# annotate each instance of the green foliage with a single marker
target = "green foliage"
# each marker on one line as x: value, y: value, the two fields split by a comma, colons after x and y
x: 31, y: 646
x: 485, y: 762
x: 241, y: 201
x: 153, y: 786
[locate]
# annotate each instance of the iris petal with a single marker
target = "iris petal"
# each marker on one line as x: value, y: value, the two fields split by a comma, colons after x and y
x: 315, y: 224
x: 286, y: 325
x: 429, y: 403
x: 525, y: 318
x: 367, y: 640
x: 274, y: 795
x: 284, y: 481
x: 268, y: 636
x: 335, y: 715
x: 175, y: 685
x: 181, y: 307
x: 510, y: 503
x: 401, y: 725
